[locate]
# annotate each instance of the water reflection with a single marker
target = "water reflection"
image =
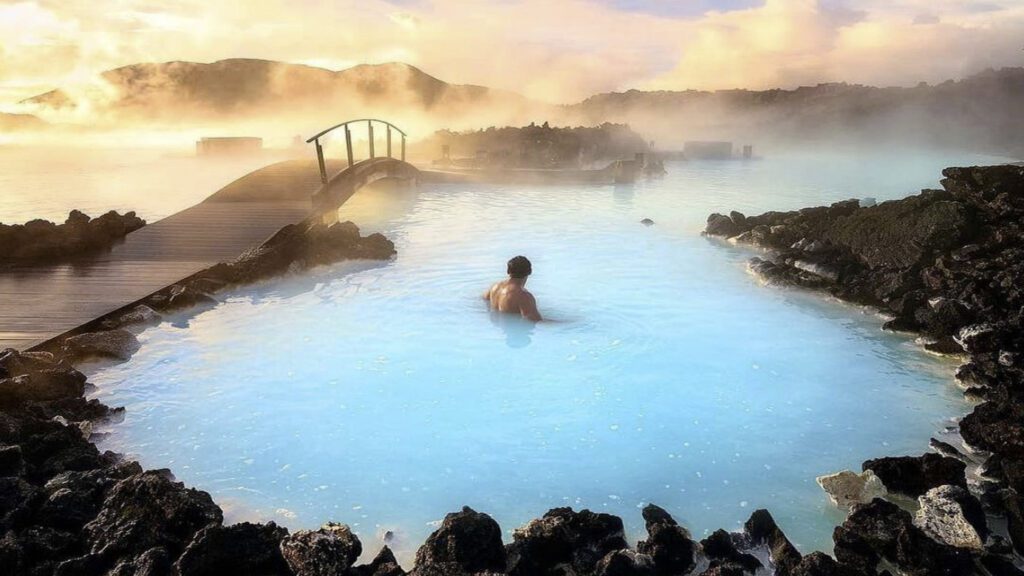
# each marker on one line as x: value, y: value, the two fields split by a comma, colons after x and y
x: 518, y: 330
x: 624, y: 194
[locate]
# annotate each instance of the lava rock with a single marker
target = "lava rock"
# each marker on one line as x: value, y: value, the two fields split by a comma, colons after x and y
x: 625, y: 563
x: 239, y: 549
x: 180, y: 297
x: 995, y: 426
x: 141, y: 315
x: 12, y: 463
x: 721, y: 226
x: 17, y: 500
x: 75, y: 498
x: 881, y: 530
x: 847, y: 488
x: 116, y: 344
x: 42, y: 386
x: 153, y: 562
x: 300, y: 247
x: 383, y: 564
x: 951, y: 515
x: 721, y: 550
x: 946, y: 449
x: 1014, y: 510
x: 761, y: 529
x: 564, y: 539
x: 40, y: 242
x: 821, y: 564
x: 915, y: 475
x: 35, y: 550
x: 468, y: 542
x: 329, y: 551
x: 148, y: 510
x: 668, y: 544
x: 999, y: 566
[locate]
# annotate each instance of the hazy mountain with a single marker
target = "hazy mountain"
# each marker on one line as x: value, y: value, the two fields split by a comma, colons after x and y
x: 981, y: 111
x: 233, y: 88
x: 20, y: 122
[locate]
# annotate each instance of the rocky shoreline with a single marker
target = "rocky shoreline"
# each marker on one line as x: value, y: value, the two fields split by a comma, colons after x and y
x: 948, y: 265
x: 43, y: 242
x: 66, y: 508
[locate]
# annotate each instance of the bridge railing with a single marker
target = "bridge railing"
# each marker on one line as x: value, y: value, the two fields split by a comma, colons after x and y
x: 348, y: 142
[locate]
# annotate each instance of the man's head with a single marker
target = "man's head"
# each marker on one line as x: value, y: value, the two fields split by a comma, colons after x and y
x: 519, y: 267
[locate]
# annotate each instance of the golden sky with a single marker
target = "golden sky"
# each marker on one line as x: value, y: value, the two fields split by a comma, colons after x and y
x: 555, y: 50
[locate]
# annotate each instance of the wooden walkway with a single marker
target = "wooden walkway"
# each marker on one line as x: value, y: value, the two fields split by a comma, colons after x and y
x: 38, y: 304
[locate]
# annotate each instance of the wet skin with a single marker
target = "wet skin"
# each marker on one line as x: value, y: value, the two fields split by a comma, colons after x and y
x: 511, y: 297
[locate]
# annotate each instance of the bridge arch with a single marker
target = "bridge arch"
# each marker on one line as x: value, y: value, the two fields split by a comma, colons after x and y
x: 336, y: 189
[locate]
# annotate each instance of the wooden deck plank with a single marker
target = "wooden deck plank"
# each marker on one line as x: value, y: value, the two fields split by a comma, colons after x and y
x: 40, y: 303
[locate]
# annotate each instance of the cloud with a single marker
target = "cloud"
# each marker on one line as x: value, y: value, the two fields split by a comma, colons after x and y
x: 556, y: 51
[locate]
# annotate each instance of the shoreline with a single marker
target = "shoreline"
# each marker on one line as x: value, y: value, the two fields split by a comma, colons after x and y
x: 825, y: 261
x: 464, y: 544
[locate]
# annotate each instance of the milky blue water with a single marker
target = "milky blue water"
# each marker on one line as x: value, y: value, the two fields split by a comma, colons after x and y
x: 385, y: 395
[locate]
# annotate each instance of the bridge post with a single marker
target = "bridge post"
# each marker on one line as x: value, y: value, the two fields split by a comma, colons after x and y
x: 389, y: 141
x: 348, y: 145
x: 369, y: 125
x: 403, y: 147
x: 320, y: 161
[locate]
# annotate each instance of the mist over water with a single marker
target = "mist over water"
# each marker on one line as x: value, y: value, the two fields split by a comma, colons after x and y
x: 48, y: 182
x: 385, y: 395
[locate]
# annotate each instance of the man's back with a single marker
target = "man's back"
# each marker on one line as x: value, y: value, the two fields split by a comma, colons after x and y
x: 512, y: 297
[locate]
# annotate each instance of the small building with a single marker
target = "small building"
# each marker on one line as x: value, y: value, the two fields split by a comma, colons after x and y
x: 228, y: 145
x: 707, y: 150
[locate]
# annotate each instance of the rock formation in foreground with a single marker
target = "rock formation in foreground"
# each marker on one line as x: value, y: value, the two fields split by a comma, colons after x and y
x: 43, y: 242
x: 949, y: 265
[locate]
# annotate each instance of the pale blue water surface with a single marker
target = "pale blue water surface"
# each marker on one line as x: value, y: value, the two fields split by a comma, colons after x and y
x: 385, y: 395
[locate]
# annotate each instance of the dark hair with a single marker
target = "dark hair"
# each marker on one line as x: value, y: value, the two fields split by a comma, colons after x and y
x: 519, y: 267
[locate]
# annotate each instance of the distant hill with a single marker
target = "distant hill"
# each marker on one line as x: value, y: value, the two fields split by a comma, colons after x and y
x: 20, y: 122
x: 248, y: 87
x: 983, y: 111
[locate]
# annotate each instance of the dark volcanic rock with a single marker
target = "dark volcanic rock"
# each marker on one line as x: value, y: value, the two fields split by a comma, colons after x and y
x: 239, y: 549
x: 950, y: 514
x: 997, y: 427
x: 915, y: 475
x: 299, y: 247
x: 17, y: 500
x: 148, y: 510
x: 1014, y: 511
x: 36, y: 377
x: 35, y: 550
x: 668, y: 544
x: 383, y: 564
x: 722, y: 226
x: 762, y: 529
x: 328, y: 551
x: 820, y: 564
x: 625, y: 563
x: 721, y: 550
x: 12, y: 463
x: 42, y: 242
x: 152, y: 562
x: 468, y: 542
x: 564, y: 540
x: 881, y: 530
x: 117, y: 344
x: 74, y: 498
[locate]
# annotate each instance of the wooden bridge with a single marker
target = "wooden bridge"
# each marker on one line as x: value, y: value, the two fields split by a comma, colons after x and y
x: 41, y: 303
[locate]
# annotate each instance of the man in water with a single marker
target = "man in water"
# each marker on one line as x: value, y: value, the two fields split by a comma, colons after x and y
x: 510, y: 296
